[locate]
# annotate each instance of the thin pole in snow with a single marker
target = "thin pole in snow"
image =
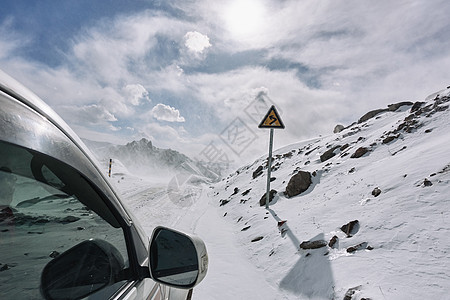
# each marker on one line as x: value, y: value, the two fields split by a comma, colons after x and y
x: 269, y: 168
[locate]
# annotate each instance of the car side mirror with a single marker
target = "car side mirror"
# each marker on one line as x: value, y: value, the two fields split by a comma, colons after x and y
x: 177, y: 259
x: 81, y: 271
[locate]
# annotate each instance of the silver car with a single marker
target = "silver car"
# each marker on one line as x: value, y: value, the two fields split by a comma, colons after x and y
x: 64, y: 232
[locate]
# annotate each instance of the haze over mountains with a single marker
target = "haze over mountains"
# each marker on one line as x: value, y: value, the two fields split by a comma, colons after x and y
x: 144, y: 159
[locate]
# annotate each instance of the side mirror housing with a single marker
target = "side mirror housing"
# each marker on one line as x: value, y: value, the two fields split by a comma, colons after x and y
x: 81, y: 271
x: 177, y: 259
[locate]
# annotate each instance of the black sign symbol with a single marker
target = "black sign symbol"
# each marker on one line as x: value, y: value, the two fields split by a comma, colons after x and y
x: 274, y: 119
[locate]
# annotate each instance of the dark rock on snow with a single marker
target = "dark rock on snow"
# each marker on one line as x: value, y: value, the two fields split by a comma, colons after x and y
x: 313, y: 244
x: 272, y: 194
x: 258, y: 172
x: 426, y: 182
x: 245, y: 228
x: 371, y: 114
x: 389, y: 139
x: 223, y: 202
x: 246, y: 192
x: 350, y: 292
x: 333, y: 242
x: 256, y: 239
x: 394, y: 107
x: 298, y: 183
x: 360, y: 152
x: 357, y: 247
x: 338, y: 128
x: 376, y: 192
x: 351, y: 228
x: 329, y: 154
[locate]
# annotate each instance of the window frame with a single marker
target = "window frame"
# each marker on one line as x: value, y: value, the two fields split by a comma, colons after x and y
x: 38, y: 132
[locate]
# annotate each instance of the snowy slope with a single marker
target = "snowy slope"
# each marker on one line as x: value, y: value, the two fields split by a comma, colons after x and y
x: 399, y: 248
x: 407, y: 226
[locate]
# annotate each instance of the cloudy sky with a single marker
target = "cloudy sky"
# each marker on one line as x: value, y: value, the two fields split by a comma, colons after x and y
x: 198, y: 76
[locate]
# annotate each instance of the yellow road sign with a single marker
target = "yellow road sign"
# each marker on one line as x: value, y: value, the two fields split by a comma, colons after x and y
x: 272, y: 119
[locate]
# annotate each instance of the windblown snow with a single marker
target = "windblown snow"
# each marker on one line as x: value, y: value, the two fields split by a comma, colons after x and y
x: 373, y: 223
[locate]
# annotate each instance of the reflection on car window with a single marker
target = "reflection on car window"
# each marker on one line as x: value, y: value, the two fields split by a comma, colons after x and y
x: 43, y: 213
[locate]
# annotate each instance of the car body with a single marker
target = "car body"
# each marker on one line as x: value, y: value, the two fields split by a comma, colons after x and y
x: 64, y: 231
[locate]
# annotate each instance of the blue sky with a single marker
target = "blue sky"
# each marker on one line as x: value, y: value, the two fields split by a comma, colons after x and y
x: 196, y: 76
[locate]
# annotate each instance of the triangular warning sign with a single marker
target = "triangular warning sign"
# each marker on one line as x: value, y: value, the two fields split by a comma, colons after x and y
x: 272, y: 119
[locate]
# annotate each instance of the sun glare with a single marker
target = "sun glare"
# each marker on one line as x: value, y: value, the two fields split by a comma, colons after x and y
x: 245, y: 17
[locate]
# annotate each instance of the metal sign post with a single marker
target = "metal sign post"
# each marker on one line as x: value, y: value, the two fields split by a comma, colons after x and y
x: 110, y: 163
x: 272, y: 120
x: 269, y: 168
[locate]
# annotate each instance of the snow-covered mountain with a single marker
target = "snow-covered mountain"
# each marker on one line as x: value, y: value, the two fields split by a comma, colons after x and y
x: 142, y: 158
x: 360, y: 214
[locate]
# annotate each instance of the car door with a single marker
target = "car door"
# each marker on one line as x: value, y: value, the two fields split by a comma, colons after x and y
x: 48, y: 208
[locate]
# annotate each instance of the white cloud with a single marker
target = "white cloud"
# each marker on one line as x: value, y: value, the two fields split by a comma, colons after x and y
x: 136, y: 93
x: 10, y: 40
x: 196, y: 42
x: 167, y: 113
x: 362, y: 55
x: 89, y: 115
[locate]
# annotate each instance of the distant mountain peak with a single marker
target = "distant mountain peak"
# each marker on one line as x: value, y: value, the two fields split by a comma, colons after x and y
x: 142, y: 157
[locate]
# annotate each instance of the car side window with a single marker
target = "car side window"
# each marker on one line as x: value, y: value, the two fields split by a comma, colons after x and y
x: 47, y: 208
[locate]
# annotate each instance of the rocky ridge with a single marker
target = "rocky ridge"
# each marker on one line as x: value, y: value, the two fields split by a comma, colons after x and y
x: 349, y: 193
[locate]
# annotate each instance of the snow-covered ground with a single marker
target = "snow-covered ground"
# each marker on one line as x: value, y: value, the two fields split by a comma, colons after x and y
x: 401, y: 242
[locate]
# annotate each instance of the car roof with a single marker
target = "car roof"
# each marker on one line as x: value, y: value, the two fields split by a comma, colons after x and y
x: 15, y: 89
x: 22, y: 94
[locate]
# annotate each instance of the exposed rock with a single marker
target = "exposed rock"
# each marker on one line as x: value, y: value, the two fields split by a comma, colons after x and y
x: 349, y: 294
x: 313, y: 244
x: 223, y: 202
x: 311, y: 151
x: 351, y: 228
x: 355, y: 248
x: 333, y: 242
x: 416, y: 106
x: 426, y: 182
x: 389, y: 139
x: 272, y: 194
x: 328, y: 154
x: 298, y: 183
x: 338, y: 128
x: 344, y: 147
x: 288, y: 155
x: 258, y: 172
x: 371, y: 114
x: 256, y: 239
x: 376, y: 192
x: 394, y: 107
x: 403, y: 148
x: 246, y: 192
x: 360, y: 152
